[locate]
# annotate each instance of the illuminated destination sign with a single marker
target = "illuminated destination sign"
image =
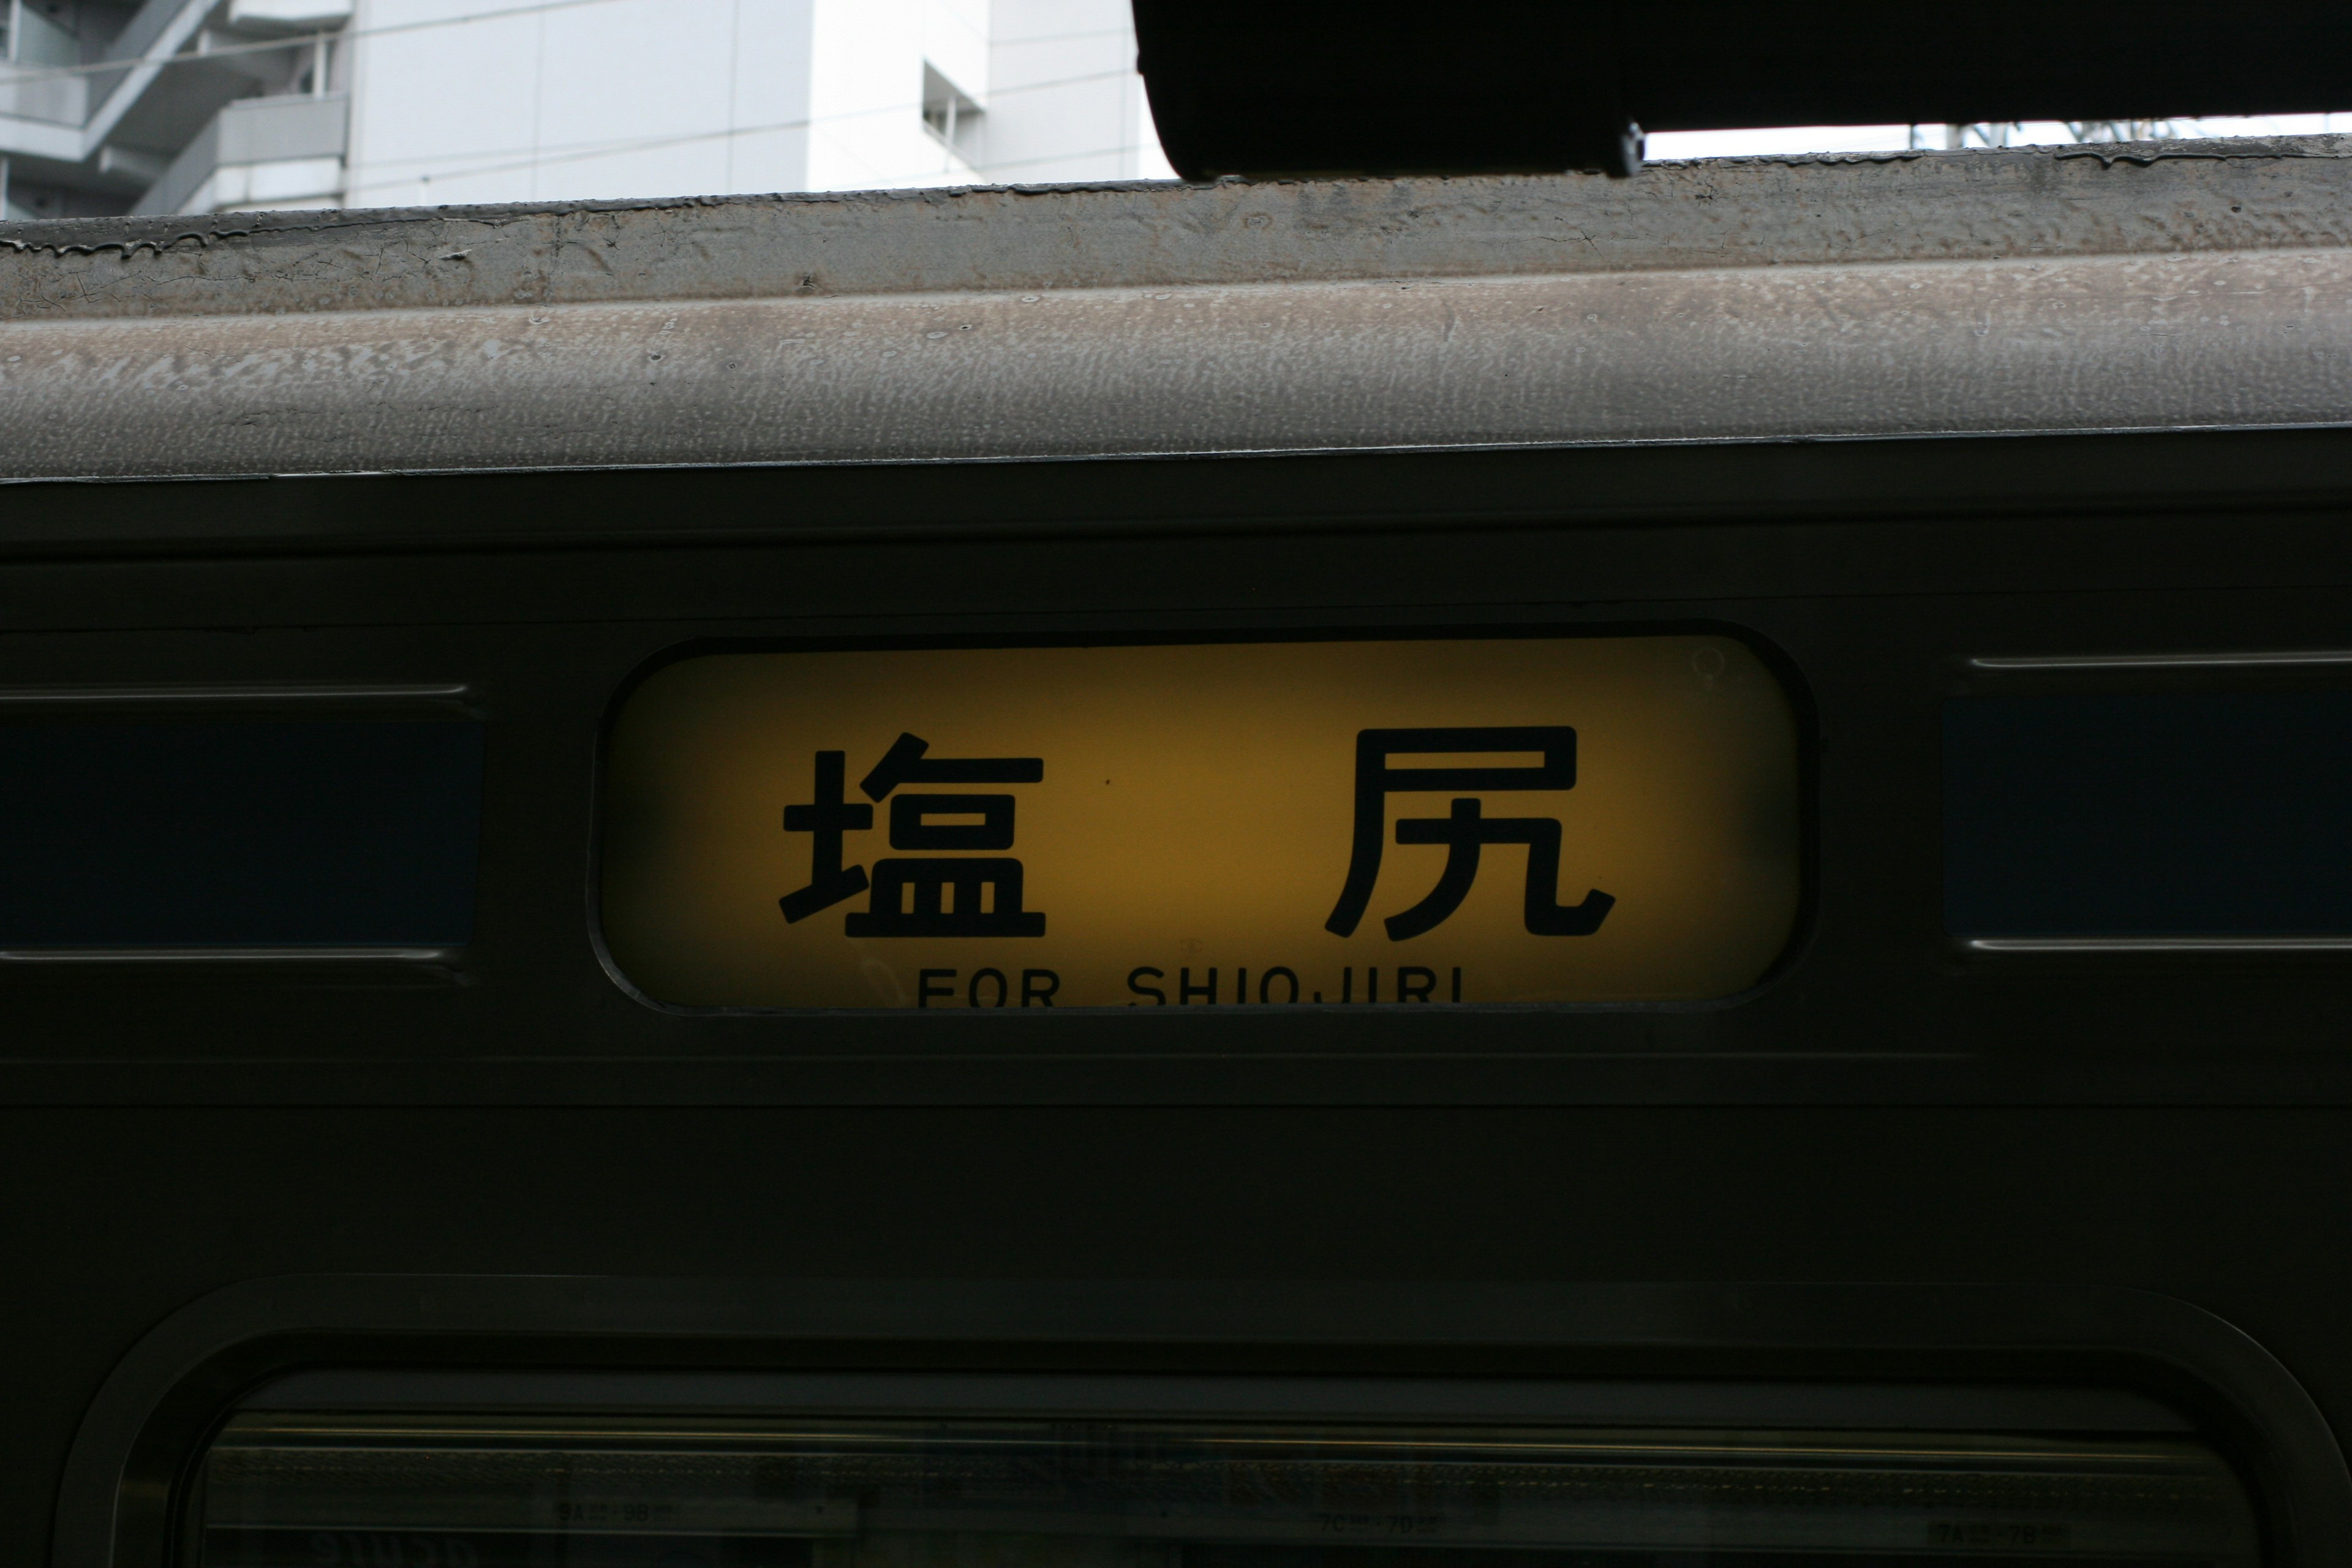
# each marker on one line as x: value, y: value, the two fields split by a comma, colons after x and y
x: 1358, y: 823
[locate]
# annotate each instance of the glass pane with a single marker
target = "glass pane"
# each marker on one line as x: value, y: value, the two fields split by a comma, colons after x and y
x: 2148, y: 813
x: 239, y: 834
x: 283, y: 1488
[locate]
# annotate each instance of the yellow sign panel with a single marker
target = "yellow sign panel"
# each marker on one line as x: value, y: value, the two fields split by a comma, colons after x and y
x: 1209, y: 824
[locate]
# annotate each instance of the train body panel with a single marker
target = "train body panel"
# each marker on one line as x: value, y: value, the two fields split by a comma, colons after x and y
x: 2018, y: 480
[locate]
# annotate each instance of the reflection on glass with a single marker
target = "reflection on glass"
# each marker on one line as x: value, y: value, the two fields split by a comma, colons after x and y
x: 281, y: 1489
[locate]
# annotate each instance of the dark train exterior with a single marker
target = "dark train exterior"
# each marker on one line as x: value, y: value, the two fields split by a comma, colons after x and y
x: 341, y: 1123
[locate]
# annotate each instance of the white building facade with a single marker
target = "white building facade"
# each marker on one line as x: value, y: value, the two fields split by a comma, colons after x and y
x: 194, y: 106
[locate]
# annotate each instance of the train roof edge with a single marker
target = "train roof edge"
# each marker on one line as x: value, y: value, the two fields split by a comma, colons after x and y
x: 2128, y: 287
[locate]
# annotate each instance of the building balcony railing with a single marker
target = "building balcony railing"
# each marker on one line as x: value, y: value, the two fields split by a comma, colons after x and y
x: 232, y: 160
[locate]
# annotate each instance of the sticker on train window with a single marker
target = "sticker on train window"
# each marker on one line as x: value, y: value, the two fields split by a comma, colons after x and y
x: 1408, y: 822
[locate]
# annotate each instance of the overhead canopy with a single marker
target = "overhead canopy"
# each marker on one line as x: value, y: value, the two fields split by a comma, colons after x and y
x: 1380, y: 87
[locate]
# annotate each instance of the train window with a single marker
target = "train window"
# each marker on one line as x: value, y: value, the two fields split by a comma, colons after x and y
x: 1388, y: 823
x: 282, y: 1488
x: 238, y: 833
x: 2223, y: 814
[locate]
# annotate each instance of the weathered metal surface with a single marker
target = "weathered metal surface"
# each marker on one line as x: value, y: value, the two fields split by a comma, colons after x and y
x: 1978, y: 293
x: 2087, y: 344
x: 2158, y: 196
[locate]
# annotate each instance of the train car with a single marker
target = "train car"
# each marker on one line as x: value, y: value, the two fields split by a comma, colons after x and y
x: 1501, y: 872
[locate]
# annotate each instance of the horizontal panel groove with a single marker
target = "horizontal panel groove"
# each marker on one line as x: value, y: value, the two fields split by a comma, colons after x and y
x: 178, y: 955
x: 2098, y: 944
x: 2127, y: 661
x: 68, y: 696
